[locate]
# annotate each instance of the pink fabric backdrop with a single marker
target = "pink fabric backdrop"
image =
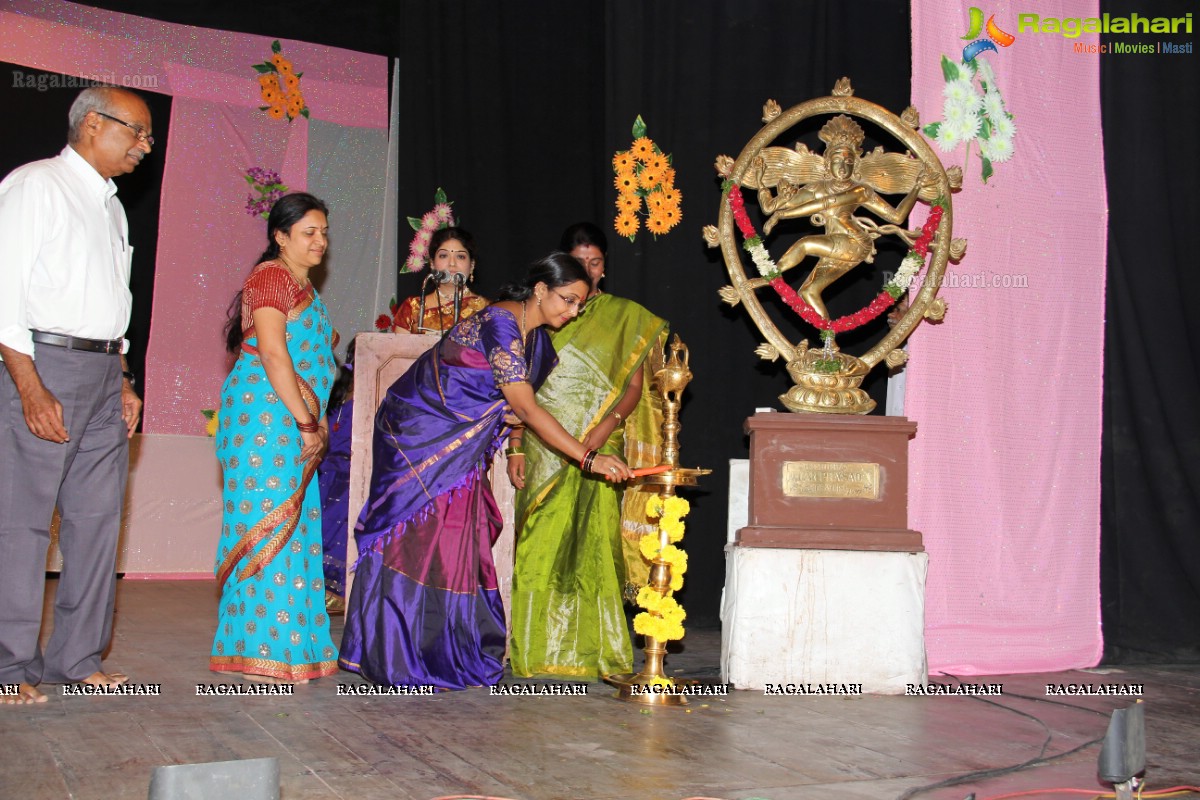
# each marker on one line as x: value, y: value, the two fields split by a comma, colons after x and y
x: 207, y: 243
x: 1005, y: 473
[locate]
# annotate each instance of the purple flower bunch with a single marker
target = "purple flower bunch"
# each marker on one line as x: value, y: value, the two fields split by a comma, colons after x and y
x: 267, y: 183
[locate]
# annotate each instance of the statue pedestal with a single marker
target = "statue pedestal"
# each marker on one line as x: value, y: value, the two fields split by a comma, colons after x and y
x: 855, y: 619
x: 824, y: 581
x: 829, y: 482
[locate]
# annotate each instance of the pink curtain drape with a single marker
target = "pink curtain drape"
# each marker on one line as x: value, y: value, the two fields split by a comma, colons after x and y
x: 1005, y: 472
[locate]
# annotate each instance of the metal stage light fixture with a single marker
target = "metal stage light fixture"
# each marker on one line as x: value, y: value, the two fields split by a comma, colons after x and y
x: 249, y: 779
x: 1123, y: 754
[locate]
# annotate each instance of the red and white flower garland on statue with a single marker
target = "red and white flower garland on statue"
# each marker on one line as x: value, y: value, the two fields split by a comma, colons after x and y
x: 892, y: 291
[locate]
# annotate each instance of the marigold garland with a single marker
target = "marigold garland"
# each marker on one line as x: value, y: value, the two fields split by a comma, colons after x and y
x: 644, y: 173
x: 282, y: 99
x: 893, y: 290
x: 663, y: 616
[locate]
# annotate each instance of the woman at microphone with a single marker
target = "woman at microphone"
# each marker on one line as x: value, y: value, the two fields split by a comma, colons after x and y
x: 452, y: 269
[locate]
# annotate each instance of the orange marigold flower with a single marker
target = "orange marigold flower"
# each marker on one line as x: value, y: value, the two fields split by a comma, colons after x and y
x: 276, y: 111
x: 281, y: 63
x: 671, y: 194
x: 657, y: 224
x: 668, y: 176
x: 271, y: 96
x: 642, y: 148
x: 628, y: 203
x: 672, y: 215
x: 625, y: 183
x: 291, y: 82
x: 649, y: 178
x: 626, y: 224
x: 655, y: 200
x: 656, y: 161
x: 266, y: 79
x: 622, y: 162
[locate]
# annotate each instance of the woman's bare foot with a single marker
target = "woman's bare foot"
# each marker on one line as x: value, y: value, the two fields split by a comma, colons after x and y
x: 272, y: 679
x: 27, y: 694
x: 105, y: 679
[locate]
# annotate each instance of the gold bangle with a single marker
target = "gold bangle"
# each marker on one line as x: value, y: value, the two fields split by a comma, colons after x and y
x: 617, y: 414
x: 512, y: 451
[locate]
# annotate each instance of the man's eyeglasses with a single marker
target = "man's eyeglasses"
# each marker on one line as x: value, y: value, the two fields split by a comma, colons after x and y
x: 141, y: 135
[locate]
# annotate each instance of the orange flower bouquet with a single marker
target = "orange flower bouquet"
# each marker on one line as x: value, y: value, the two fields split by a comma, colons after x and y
x: 279, y: 85
x: 645, y: 183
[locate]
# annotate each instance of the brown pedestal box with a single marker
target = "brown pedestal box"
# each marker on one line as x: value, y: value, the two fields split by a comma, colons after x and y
x: 829, y: 482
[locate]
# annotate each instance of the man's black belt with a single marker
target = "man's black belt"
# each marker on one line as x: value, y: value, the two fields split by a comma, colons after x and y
x: 76, y: 343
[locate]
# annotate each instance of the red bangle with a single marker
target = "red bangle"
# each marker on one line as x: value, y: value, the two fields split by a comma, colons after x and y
x: 307, y: 427
x: 585, y: 463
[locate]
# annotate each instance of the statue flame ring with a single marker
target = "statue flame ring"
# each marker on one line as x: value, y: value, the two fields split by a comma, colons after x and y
x: 837, y: 391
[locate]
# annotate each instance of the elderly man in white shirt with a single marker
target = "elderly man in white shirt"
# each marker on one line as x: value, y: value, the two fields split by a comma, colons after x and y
x: 67, y: 403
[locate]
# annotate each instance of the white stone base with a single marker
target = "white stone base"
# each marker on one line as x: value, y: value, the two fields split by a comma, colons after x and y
x: 822, y: 617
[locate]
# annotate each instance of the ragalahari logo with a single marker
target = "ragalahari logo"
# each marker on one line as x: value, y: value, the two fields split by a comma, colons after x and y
x: 995, y: 34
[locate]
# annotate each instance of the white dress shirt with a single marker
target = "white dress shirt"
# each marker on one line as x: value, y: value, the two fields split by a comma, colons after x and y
x: 64, y: 253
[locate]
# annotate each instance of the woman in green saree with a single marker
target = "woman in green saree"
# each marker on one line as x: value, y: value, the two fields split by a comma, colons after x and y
x: 577, y: 537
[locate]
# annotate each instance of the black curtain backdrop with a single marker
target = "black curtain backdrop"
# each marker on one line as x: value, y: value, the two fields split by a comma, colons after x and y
x: 515, y: 109
x: 1150, y: 519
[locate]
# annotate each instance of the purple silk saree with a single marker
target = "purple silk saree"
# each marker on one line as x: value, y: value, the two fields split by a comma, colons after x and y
x: 425, y: 608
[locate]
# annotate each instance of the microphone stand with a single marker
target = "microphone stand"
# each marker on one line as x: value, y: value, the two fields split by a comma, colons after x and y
x: 438, y: 277
x: 459, y: 284
x: 421, y: 305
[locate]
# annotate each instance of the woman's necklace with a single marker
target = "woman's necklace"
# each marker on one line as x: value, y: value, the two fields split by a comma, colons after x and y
x: 303, y: 281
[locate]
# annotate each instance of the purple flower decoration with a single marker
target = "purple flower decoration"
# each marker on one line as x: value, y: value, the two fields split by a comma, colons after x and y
x: 269, y: 187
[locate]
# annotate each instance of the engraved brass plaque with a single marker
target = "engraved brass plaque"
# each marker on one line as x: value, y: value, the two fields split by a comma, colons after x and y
x: 831, y: 479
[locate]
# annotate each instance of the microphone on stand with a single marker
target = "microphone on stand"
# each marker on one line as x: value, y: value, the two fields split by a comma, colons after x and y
x: 435, y: 276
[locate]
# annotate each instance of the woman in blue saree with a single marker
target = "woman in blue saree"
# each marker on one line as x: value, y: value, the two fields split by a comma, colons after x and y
x: 425, y: 608
x: 271, y: 624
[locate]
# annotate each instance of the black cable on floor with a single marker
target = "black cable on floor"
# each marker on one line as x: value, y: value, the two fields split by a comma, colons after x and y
x: 996, y: 772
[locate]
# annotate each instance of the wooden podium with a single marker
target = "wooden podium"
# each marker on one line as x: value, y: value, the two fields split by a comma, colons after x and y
x: 379, y: 359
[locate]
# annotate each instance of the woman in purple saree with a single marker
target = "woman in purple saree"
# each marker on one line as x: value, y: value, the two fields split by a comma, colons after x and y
x: 425, y: 609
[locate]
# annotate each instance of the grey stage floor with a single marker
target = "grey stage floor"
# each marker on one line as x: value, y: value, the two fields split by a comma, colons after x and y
x: 471, y: 743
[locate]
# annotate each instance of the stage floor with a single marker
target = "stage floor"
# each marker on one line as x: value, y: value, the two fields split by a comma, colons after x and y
x: 592, y: 747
